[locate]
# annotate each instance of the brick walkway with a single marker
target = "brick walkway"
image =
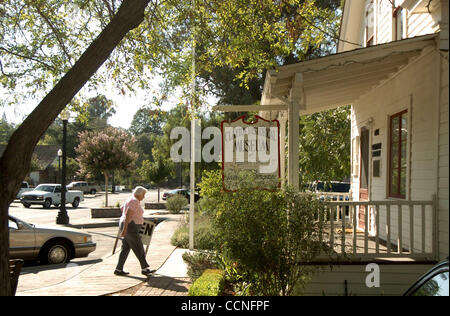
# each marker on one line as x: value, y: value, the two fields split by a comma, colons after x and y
x: 159, y: 286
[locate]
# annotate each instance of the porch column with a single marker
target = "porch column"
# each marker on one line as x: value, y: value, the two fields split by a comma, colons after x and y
x: 296, y: 102
x: 282, y: 118
x: 293, y: 143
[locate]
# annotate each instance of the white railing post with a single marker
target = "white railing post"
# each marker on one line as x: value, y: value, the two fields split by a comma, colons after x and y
x: 377, y: 228
x: 435, y: 228
x: 411, y: 228
x: 354, y: 229
x: 400, y: 230
x: 388, y: 227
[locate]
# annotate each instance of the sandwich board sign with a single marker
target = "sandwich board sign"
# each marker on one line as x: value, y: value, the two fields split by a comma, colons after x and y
x: 146, y: 231
x: 251, y: 147
x: 146, y: 234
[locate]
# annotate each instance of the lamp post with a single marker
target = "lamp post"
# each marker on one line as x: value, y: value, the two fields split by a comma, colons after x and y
x: 59, y: 165
x: 62, y: 217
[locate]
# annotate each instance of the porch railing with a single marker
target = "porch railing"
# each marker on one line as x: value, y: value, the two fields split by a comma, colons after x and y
x: 381, y: 229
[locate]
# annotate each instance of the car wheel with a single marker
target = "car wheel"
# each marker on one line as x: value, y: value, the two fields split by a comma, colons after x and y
x: 27, y: 205
x: 56, y: 252
x: 76, y: 202
x: 56, y: 205
x: 47, y: 203
x: 93, y: 191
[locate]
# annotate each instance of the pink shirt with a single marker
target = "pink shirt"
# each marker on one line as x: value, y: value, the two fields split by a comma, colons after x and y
x: 133, y: 208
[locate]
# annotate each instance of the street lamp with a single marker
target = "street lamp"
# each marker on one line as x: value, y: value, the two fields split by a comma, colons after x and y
x: 59, y: 164
x: 62, y: 217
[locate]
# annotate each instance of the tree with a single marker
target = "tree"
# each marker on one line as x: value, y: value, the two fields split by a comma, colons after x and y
x: 6, y: 130
x: 156, y: 172
x: 16, y: 159
x: 105, y: 151
x: 324, y: 152
x: 147, y: 121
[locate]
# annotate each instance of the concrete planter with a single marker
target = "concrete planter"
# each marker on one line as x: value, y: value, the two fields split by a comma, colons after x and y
x: 106, y: 212
x: 155, y: 206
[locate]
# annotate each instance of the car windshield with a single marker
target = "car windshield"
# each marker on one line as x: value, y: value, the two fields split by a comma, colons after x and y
x: 46, y: 188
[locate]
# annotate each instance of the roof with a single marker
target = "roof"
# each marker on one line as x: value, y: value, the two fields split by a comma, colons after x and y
x: 340, y: 79
x: 45, y: 154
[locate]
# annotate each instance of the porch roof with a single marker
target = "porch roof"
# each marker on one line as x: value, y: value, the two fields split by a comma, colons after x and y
x: 340, y: 79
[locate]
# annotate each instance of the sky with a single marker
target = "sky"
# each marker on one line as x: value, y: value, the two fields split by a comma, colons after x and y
x: 126, y: 106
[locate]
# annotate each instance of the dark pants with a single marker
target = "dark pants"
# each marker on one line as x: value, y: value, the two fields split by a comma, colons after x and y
x: 132, y: 241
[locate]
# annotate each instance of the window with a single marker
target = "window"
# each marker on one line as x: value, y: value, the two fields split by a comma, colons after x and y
x: 12, y: 225
x: 436, y: 286
x: 398, y: 24
x: 398, y: 154
x: 370, y: 24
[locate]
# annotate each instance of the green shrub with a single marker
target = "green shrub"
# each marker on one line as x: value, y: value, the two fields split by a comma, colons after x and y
x: 175, y: 203
x: 265, y: 234
x: 198, y: 262
x: 210, y: 283
x: 204, y: 238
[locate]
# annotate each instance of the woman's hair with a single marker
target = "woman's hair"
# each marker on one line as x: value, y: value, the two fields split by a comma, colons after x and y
x: 139, y: 191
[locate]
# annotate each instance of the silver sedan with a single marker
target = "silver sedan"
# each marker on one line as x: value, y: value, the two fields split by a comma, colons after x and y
x: 49, y: 245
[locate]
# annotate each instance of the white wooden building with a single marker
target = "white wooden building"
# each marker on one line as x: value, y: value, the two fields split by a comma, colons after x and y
x: 392, y: 68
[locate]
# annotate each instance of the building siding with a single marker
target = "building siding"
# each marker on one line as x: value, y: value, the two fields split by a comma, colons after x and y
x: 443, y: 172
x: 394, y: 280
x: 412, y: 89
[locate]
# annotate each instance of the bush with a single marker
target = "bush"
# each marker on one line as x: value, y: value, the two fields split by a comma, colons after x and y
x: 204, y: 238
x: 266, y: 234
x: 175, y: 203
x: 198, y: 262
x: 211, y: 283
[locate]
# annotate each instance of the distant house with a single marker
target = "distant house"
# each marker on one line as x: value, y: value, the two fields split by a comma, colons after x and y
x: 46, y: 155
x: 392, y: 68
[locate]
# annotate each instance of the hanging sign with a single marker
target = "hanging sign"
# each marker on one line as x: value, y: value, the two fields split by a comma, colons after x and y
x: 251, y: 147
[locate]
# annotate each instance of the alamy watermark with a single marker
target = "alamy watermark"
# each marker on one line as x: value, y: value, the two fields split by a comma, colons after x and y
x: 251, y: 144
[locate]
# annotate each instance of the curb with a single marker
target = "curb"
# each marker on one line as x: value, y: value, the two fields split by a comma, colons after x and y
x: 158, y: 220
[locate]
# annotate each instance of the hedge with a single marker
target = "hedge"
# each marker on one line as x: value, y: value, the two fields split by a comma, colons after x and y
x: 210, y: 283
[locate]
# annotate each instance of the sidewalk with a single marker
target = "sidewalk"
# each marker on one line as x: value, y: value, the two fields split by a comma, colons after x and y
x: 98, y: 278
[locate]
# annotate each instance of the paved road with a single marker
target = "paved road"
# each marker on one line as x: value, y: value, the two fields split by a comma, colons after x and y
x: 38, y: 215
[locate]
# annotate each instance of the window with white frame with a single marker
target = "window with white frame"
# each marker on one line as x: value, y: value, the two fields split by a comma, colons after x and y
x: 398, y: 23
x: 370, y: 24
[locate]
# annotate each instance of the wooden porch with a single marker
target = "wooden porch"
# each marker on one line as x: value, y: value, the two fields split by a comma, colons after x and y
x: 392, y: 229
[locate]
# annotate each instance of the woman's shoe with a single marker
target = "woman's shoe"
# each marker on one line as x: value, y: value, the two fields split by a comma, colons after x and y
x: 147, y: 271
x: 121, y: 272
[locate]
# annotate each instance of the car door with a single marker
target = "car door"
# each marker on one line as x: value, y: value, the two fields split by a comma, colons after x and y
x: 22, y: 240
x: 57, y: 195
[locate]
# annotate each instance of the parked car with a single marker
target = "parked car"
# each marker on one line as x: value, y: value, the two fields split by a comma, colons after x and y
x: 47, y: 244
x: 48, y: 194
x: 85, y: 187
x: 24, y: 187
x: 433, y: 283
x: 183, y: 192
x: 325, y: 190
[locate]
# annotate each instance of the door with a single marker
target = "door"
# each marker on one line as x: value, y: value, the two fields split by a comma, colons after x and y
x: 22, y: 242
x: 364, y: 175
x: 57, y: 195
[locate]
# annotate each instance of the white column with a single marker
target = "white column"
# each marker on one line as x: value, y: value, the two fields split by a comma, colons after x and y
x: 194, y: 126
x: 293, y: 144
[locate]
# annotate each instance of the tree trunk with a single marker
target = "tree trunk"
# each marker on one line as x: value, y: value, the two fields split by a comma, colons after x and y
x: 106, y: 189
x: 16, y: 159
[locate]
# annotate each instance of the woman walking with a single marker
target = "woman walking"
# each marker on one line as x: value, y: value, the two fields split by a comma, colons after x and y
x: 130, y: 225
